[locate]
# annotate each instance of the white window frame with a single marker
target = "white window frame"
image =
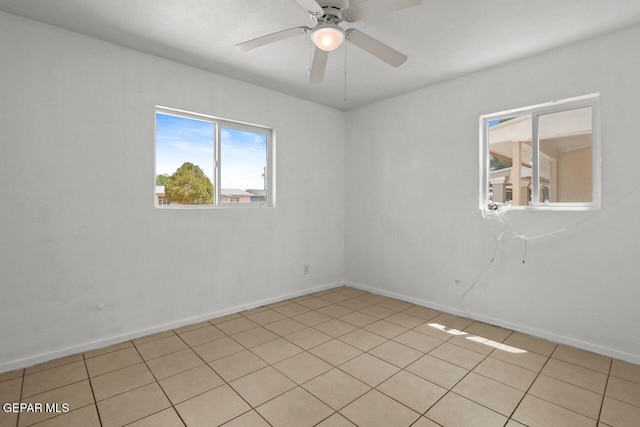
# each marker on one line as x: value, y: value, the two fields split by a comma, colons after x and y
x: 591, y: 100
x: 219, y: 123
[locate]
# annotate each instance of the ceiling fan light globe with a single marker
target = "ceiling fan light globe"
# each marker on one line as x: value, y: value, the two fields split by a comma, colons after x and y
x: 328, y: 37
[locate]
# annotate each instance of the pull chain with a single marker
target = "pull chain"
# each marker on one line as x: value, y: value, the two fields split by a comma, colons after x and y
x: 345, y: 69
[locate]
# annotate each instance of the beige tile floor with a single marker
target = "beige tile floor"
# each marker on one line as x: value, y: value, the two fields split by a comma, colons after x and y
x: 340, y: 357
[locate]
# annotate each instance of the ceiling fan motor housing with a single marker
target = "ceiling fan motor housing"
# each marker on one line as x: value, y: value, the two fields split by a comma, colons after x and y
x: 333, y: 8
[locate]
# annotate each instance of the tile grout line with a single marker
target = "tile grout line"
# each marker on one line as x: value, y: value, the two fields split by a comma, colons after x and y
x: 39, y: 423
x: 93, y: 394
x: 291, y: 379
x: 403, y: 369
x: 108, y: 352
x: 336, y: 367
x: 158, y: 384
x: 337, y: 411
x: 546, y: 375
x: 53, y: 389
x: 305, y: 351
x: 332, y: 366
x: 529, y: 388
x: 604, y: 392
x: 362, y: 352
x: 566, y: 382
x: 62, y: 386
x: 208, y: 365
x: 222, y: 378
x: 563, y: 407
x: 580, y: 366
x: 99, y: 375
x: 521, y: 367
x: 122, y: 392
x: 21, y: 393
x: 450, y: 390
x: 336, y: 290
x: 117, y: 370
x: 52, y: 367
x: 420, y: 415
x: 428, y: 419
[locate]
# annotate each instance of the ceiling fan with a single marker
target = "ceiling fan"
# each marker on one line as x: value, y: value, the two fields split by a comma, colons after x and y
x: 327, y: 35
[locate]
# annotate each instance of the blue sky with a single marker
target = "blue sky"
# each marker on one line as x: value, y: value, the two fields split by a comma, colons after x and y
x: 243, y: 157
x: 243, y: 154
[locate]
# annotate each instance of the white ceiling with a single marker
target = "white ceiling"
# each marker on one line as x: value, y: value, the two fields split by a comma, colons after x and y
x: 442, y: 38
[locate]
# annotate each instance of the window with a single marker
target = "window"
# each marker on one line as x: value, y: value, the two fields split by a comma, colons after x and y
x: 203, y: 161
x: 545, y: 156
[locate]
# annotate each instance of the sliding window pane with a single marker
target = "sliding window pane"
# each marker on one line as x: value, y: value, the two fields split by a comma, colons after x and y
x: 566, y: 156
x: 243, y: 166
x: 184, y: 161
x: 510, y: 160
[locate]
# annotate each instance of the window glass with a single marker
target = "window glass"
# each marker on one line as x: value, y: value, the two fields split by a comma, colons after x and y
x: 510, y: 160
x: 566, y: 158
x: 184, y: 161
x: 204, y: 161
x: 243, y: 166
x: 543, y: 156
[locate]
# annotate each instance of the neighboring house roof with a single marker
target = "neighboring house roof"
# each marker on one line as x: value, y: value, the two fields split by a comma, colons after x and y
x: 226, y: 191
x: 234, y: 192
x: 257, y: 192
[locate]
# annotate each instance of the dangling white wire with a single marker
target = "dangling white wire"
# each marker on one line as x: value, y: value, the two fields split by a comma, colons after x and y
x: 506, y: 227
x: 493, y: 258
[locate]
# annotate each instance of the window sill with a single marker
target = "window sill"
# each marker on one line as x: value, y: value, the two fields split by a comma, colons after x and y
x: 545, y: 208
x: 225, y: 206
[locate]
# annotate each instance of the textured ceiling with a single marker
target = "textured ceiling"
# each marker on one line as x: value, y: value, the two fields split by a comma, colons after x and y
x: 442, y: 38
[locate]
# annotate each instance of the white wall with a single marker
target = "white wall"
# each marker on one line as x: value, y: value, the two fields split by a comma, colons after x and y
x: 77, y: 224
x: 412, y: 221
x: 78, y: 228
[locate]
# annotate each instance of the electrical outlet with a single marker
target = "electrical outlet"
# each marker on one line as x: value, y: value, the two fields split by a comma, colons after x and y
x: 306, y: 269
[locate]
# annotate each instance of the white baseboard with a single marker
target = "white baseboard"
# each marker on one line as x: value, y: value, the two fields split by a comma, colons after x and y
x: 560, y: 339
x: 81, y: 348
x: 45, y: 357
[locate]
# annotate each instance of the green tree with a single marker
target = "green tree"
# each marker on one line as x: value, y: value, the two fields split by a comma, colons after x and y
x: 162, y: 179
x: 496, y: 163
x: 189, y: 186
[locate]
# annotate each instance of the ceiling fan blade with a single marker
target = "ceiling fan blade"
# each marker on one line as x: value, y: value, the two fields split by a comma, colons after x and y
x: 270, y: 38
x: 318, y: 65
x: 310, y: 6
x: 376, y: 47
x: 370, y: 8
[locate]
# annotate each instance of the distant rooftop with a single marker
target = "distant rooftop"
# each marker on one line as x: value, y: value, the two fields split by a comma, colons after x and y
x: 257, y: 192
x: 234, y: 192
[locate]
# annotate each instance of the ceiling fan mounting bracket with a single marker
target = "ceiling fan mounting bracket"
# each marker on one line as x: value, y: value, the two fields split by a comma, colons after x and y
x: 334, y: 4
x: 331, y: 11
